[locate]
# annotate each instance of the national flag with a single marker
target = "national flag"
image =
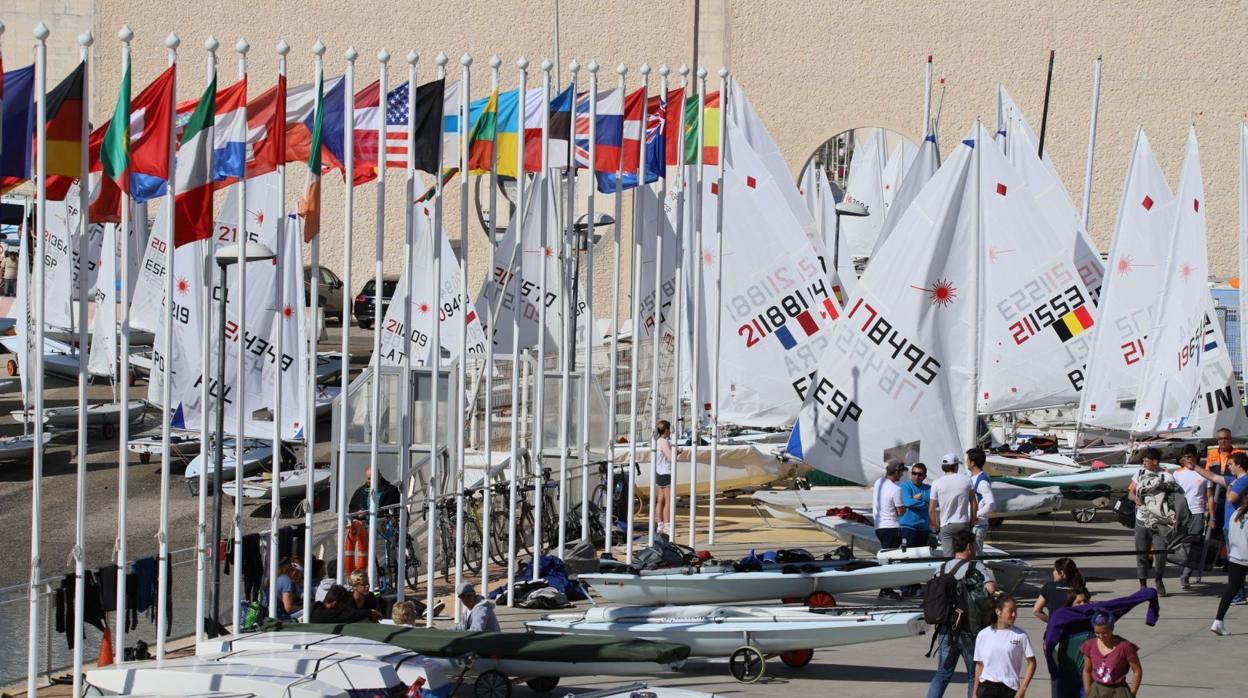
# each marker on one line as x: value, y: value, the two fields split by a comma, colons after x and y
x: 830, y: 310
x: 506, y: 141
x: 369, y: 126
x: 560, y: 109
x: 481, y: 140
x: 299, y: 104
x: 64, y: 128
x: 229, y: 150
x: 450, y: 125
x: 115, y: 148
x: 310, y: 206
x: 266, y: 132
x: 18, y: 119
x: 192, y: 217
x: 608, y: 131
x: 427, y: 119
x: 710, y: 142
x: 447, y: 174
x: 656, y: 167
x: 786, y: 337
x: 674, y: 127
x: 1073, y: 324
x: 149, y: 135
x: 560, y: 131
x: 807, y: 322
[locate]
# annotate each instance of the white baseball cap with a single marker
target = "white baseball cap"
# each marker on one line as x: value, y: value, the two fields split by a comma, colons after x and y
x: 950, y: 459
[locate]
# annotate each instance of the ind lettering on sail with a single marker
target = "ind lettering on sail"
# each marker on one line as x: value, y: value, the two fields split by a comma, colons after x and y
x: 900, y: 365
x: 1137, y: 258
x: 1170, y: 394
x: 777, y: 303
x: 1037, y: 315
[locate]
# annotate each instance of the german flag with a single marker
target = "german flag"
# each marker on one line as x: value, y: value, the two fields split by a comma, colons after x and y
x: 1073, y: 324
x: 65, y: 125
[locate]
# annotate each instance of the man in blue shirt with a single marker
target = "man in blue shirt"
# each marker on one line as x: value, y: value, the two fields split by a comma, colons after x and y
x: 916, y: 528
x: 1236, y: 482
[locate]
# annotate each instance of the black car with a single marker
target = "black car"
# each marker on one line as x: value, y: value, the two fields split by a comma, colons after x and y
x: 362, y: 308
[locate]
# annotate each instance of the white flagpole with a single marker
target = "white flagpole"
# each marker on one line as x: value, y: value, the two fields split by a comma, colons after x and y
x: 639, y: 216
x: 206, y: 325
x: 927, y: 98
x: 696, y: 402
x: 36, y: 480
x: 656, y: 311
x: 309, y: 420
x: 405, y: 385
x: 487, y: 497
x: 241, y: 238
x: 587, y: 369
x: 613, y: 402
x: 1096, y: 107
x: 348, y: 139
x: 435, y: 342
x: 123, y: 425
x: 80, y: 501
x: 539, y: 393
x: 465, y: 61
x: 567, y: 355
x: 680, y: 296
x: 379, y: 241
x: 516, y: 273
x: 719, y: 287
x: 162, y: 590
x: 1242, y: 306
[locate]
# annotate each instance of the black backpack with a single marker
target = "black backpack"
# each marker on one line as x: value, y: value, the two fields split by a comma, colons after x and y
x: 940, y: 596
x: 957, y: 604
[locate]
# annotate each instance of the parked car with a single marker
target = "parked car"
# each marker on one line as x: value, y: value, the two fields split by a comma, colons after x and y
x: 362, y: 309
x: 329, y: 293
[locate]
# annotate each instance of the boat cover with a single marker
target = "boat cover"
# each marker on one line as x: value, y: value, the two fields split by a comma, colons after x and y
x: 520, y: 646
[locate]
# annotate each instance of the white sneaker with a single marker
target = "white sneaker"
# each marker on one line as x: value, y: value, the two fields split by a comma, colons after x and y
x: 1219, y: 629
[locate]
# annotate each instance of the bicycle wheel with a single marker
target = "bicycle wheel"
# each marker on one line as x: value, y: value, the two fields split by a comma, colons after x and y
x: 411, y: 571
x: 446, y: 546
x: 500, y: 520
x: 472, y: 545
x: 550, y: 521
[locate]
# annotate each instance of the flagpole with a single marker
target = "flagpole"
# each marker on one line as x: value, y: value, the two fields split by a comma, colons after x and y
x: 123, y: 427
x: 657, y: 308
x: 1096, y: 107
x: 348, y: 139
x: 639, y: 208
x: 516, y: 273
x: 487, y: 496
x: 719, y: 288
x: 696, y: 403
x: 383, y: 58
x: 435, y: 342
x: 241, y: 237
x: 309, y: 420
x: 465, y: 62
x: 927, y: 98
x: 80, y: 501
x: 1044, y: 117
x: 680, y: 291
x: 587, y: 369
x: 567, y: 352
x: 622, y: 71
x: 405, y: 385
x: 41, y: 210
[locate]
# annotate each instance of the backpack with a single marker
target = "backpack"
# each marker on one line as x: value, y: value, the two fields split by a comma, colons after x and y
x: 251, y: 614
x: 957, y: 604
x: 1124, y: 509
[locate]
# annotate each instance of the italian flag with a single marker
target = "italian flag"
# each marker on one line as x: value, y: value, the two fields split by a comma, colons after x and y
x: 192, y: 217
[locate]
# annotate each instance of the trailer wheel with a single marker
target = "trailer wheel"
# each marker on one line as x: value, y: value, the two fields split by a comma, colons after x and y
x: 108, y: 431
x: 797, y: 658
x: 746, y: 664
x: 145, y: 457
x: 543, y: 684
x: 820, y: 599
x: 492, y: 684
x: 1084, y: 515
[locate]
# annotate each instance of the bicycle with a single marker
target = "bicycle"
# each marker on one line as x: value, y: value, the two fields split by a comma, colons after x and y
x: 389, y: 560
x: 447, y: 538
x: 619, y: 500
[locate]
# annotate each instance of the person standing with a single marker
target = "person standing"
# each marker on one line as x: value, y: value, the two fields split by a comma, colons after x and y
x: 1236, y: 565
x: 10, y: 274
x: 1001, y: 650
x: 974, y: 581
x: 1063, y: 590
x: 663, y: 458
x: 981, y: 485
x: 1154, y: 519
x: 1107, y: 658
x: 1195, y: 490
x: 951, y: 497
x: 1236, y: 484
x: 916, y: 526
x: 1218, y: 461
x: 886, y: 508
x: 1059, y: 591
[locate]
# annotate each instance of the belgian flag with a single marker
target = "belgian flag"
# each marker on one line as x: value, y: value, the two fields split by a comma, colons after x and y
x: 64, y: 109
x: 1073, y: 324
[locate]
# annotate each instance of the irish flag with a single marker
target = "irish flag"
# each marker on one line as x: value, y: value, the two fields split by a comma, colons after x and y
x: 192, y: 217
x: 310, y: 205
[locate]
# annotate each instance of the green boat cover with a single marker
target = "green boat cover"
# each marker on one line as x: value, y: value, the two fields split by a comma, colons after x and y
x: 523, y: 646
x: 1069, y: 491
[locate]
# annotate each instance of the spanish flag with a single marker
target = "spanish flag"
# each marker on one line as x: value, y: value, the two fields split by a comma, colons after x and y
x: 481, y: 140
x: 64, y: 127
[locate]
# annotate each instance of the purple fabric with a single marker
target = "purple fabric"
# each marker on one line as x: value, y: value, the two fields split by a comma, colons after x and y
x: 1071, y: 620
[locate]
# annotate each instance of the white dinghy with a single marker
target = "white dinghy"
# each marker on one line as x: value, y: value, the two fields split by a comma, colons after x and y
x: 176, y: 677
x: 356, y: 674
x: 1012, y: 501
x: 741, y: 466
x: 724, y: 631
x: 292, y: 483
x: 257, y: 454
x: 183, y: 445
x: 105, y: 416
x: 14, y: 449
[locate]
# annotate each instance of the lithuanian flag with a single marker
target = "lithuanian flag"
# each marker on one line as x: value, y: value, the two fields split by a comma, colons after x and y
x: 481, y: 140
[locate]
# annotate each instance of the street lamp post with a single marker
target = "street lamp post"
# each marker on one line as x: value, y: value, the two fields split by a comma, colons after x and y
x: 844, y: 208
x: 225, y: 257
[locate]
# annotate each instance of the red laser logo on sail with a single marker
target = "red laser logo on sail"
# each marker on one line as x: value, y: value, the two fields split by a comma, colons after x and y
x: 941, y: 294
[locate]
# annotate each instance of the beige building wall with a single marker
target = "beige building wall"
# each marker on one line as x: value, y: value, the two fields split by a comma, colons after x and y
x: 812, y: 69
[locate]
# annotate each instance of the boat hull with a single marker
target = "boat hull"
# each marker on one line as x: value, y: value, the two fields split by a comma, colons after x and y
x: 739, y: 467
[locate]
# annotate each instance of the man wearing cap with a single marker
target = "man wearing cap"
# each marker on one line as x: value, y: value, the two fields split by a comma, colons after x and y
x: 951, y: 497
x: 481, y: 616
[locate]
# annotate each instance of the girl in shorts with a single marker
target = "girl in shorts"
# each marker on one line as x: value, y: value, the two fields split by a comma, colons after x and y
x: 663, y: 457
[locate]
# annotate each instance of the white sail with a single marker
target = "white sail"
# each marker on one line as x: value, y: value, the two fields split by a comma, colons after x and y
x: 820, y: 203
x: 776, y: 301
x: 899, y: 372
x: 894, y: 173
x: 866, y: 186
x: 1221, y: 403
x: 58, y: 268
x: 147, y: 297
x: 102, y: 361
x: 186, y: 309
x: 1170, y: 395
x: 1137, y: 256
x: 293, y: 367
x: 1036, y: 314
x: 925, y: 164
x: 24, y: 315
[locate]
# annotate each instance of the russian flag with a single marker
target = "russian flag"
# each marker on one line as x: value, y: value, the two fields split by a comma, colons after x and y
x: 229, y: 150
x: 655, y: 139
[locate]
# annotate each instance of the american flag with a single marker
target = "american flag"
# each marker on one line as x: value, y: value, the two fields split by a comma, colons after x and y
x: 397, y: 109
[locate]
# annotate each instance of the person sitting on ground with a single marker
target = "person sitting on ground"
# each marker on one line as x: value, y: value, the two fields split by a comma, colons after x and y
x: 327, y: 581
x: 337, y: 609
x: 361, y: 596
x: 289, y: 589
x: 481, y: 616
x: 1236, y: 564
x: 1057, y: 593
x: 1107, y: 657
x: 959, y: 641
x: 1000, y: 652
x: 403, y: 613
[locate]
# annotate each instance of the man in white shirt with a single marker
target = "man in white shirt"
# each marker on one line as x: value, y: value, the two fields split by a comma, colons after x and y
x: 951, y: 497
x: 1195, y: 490
x: 886, y: 508
x: 985, y: 503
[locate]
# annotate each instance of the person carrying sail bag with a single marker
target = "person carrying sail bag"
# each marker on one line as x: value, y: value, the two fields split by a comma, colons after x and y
x: 1157, y: 515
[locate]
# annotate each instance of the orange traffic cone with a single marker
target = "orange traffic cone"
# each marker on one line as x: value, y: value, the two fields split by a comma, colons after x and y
x: 106, y: 649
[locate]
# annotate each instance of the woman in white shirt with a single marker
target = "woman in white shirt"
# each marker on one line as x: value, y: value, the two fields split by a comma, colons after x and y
x: 1000, y: 652
x: 663, y: 457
